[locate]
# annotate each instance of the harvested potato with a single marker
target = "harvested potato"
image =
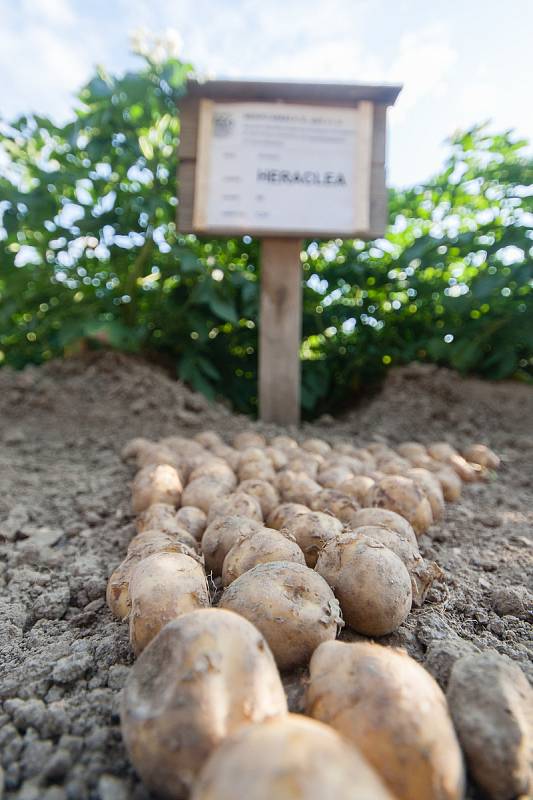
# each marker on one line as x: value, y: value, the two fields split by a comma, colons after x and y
x: 133, y: 447
x: 152, y: 535
x: 442, y: 451
x: 344, y: 448
x: 202, y: 492
x: 450, y: 482
x: 403, y: 496
x: 284, y: 443
x: 208, y: 439
x: 117, y: 592
x: 248, y: 439
x: 163, y: 586
x: 160, y: 516
x: 265, y: 493
x: 386, y: 519
x: 229, y: 454
x: 256, y: 470
x: 357, y: 487
x: 239, y: 503
x: 296, y: 487
x: 252, y: 454
x: 220, y: 536
x: 332, y: 476
x: 318, y: 446
x: 277, y: 457
x: 280, y: 516
x: 482, y: 455
x: 292, y: 606
x: 371, y: 583
x: 312, y: 531
x: 290, y: 758
x: 263, y: 546
x: 183, y: 447
x: 394, y: 466
x: 387, y: 705
x: 410, y: 450
x: 193, y: 519
x: 307, y: 463
x: 331, y: 501
x: 158, y: 454
x: 430, y: 485
x: 422, y: 572
x: 157, y: 483
x: 215, y: 468
x: 204, y: 675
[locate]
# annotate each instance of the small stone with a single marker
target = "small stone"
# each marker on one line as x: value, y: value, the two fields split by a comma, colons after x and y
x: 491, y: 703
x: 52, y: 604
x: 442, y: 654
x: 112, y: 788
x: 513, y: 600
x: 26, y: 713
x: 71, y: 668
x: 42, y: 536
x: 117, y: 676
x: 16, y: 519
x: 36, y: 756
x: 58, y: 765
x: 432, y: 626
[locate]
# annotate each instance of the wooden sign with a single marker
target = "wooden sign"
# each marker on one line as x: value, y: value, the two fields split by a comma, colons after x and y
x: 283, y: 162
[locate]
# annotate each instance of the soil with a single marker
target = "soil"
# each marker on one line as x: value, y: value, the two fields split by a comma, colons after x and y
x: 65, y: 522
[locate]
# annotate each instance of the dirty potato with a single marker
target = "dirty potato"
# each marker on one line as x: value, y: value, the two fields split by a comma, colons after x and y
x: 281, y: 515
x: 203, y: 492
x: 265, y: 545
x: 220, y: 536
x: 312, y: 532
x: 156, y: 483
x: 240, y: 503
x: 403, y: 496
x: 193, y: 520
x: 264, y: 492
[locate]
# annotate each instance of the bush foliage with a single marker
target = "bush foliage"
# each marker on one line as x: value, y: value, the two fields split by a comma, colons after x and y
x: 90, y: 256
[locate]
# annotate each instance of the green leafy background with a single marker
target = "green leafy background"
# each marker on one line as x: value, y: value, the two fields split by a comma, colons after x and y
x: 90, y: 257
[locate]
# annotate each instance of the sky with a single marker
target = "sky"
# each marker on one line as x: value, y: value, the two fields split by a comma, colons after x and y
x: 460, y: 61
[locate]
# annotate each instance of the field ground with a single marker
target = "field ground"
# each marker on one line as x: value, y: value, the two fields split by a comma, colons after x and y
x: 66, y: 521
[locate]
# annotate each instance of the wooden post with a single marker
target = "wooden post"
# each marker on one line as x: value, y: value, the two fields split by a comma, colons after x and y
x: 280, y: 329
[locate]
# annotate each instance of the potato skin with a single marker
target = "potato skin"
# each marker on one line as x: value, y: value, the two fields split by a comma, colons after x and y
x: 240, y: 503
x: 205, y: 675
x: 263, y: 491
x: 394, y: 712
x: 158, y: 515
x: 431, y: 487
x: 357, y: 487
x: 193, y: 519
x: 403, y: 496
x: 203, y: 491
x: 371, y: 583
x: 266, y: 545
x: 152, y: 536
x: 162, y: 587
x: 386, y: 519
x: 290, y: 604
x: 331, y: 501
x: 155, y: 483
x: 280, y: 515
x: 482, y: 455
x: 247, y: 439
x: 220, y: 536
x: 289, y: 758
x: 296, y: 487
x: 312, y: 532
x: 318, y: 446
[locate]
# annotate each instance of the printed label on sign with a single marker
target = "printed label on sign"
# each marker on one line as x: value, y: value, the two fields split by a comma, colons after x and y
x: 279, y: 167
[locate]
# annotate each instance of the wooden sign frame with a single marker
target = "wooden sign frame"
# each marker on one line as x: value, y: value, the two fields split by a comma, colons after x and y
x: 280, y: 317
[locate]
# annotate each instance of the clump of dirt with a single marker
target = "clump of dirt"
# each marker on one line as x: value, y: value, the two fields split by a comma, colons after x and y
x: 65, y: 521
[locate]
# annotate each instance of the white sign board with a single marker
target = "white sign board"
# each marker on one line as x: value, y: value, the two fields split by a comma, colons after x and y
x: 283, y: 167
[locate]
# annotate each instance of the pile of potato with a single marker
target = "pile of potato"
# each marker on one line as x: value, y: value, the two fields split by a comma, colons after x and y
x: 291, y: 542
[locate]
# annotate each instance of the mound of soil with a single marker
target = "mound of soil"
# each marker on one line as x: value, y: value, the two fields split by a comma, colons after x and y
x: 65, y: 522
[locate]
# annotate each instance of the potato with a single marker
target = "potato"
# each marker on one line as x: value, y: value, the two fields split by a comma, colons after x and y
x: 160, y: 516
x: 163, y: 586
x: 482, y: 455
x: 202, y: 492
x: 312, y: 531
x: 332, y: 476
x: 220, y: 536
x: 344, y: 448
x: 133, y: 447
x: 158, y: 454
x: 240, y: 503
x: 215, y: 468
x: 263, y: 546
x: 386, y: 519
x: 371, y: 583
x: 279, y: 517
x: 306, y: 463
x: 431, y: 487
x: 277, y: 457
x: 208, y: 439
x: 331, y: 501
x: 394, y: 466
x: 229, y: 454
x: 159, y: 483
x: 403, y: 496
x: 357, y: 487
x: 285, y: 443
x: 442, y: 451
x: 292, y: 606
x: 256, y: 470
x: 248, y: 439
x: 422, y: 572
x: 185, y: 448
x: 450, y: 482
x: 410, y: 450
x: 193, y: 519
x: 204, y: 675
x: 152, y: 535
x: 263, y: 491
x: 318, y: 446
x: 290, y: 758
x: 296, y: 487
x: 117, y: 592
x: 387, y: 705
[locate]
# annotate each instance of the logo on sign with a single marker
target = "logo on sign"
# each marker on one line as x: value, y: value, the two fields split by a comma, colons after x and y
x: 222, y: 125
